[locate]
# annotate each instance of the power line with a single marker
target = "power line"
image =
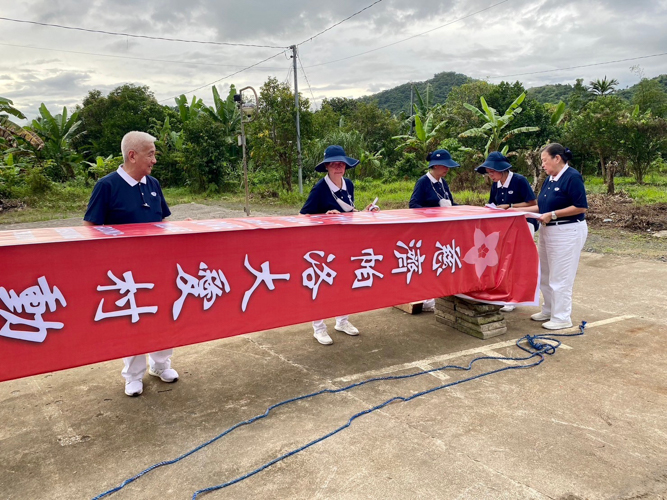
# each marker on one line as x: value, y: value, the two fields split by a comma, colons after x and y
x: 306, y: 77
x: 339, y: 22
x: 413, y: 36
x: 228, y: 76
x: 130, y: 57
x: 581, y: 66
x: 74, y: 28
x: 289, y: 73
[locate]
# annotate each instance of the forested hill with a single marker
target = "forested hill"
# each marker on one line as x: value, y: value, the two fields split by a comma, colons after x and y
x: 397, y: 99
x: 560, y: 92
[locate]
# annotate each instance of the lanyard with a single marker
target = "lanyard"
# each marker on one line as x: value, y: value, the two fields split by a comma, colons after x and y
x: 440, y: 197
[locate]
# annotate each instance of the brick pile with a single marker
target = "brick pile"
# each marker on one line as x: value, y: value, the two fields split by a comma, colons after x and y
x: 474, y: 318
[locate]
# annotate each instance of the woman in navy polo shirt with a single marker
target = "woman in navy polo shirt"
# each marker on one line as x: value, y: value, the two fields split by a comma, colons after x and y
x: 431, y: 190
x: 562, y: 205
x: 509, y: 190
x: 332, y: 195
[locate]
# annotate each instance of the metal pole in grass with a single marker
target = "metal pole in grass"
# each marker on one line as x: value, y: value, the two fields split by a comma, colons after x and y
x: 247, y: 110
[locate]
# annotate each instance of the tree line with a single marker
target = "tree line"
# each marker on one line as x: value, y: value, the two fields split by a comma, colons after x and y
x: 198, y: 145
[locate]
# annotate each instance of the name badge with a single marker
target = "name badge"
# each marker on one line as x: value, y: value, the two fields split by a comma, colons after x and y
x: 510, y: 192
x: 445, y: 203
x: 153, y: 193
x: 556, y: 189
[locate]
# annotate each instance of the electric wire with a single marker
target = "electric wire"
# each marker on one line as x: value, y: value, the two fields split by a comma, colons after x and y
x: 225, y: 77
x: 289, y: 74
x: 413, y: 36
x: 306, y: 77
x: 133, y: 58
x: 147, y: 37
x: 339, y: 23
x: 581, y: 66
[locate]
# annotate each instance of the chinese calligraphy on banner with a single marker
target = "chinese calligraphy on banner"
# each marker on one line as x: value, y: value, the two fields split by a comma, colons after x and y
x: 69, y: 298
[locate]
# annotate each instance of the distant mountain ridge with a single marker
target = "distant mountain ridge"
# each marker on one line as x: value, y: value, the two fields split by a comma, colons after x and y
x: 397, y: 99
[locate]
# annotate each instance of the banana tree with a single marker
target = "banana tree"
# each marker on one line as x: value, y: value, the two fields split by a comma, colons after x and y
x: 369, y: 163
x: 493, y: 129
x: 188, y: 111
x: 9, y: 130
x: 58, y: 132
x: 226, y: 112
x: 424, y: 138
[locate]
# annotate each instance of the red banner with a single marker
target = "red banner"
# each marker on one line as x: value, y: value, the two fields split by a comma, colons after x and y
x: 81, y: 295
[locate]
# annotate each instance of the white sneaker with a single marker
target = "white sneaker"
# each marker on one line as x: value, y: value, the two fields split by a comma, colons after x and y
x: 540, y: 317
x: 168, y: 375
x: 347, y: 327
x: 134, y: 388
x: 556, y: 325
x: 507, y: 309
x: 428, y: 305
x: 322, y: 336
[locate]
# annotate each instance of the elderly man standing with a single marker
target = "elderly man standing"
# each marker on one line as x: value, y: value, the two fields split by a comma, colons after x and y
x: 128, y: 196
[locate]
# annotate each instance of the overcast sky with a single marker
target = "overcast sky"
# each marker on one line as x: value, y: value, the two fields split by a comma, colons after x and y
x: 513, y: 37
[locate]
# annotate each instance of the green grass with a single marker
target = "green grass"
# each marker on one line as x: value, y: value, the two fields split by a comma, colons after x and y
x: 654, y: 189
x: 70, y: 200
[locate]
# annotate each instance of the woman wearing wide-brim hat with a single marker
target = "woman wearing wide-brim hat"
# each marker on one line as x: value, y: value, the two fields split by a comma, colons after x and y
x: 562, y: 206
x: 509, y: 190
x: 333, y: 194
x: 431, y: 190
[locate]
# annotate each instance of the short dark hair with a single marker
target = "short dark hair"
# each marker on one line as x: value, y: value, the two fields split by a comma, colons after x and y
x: 554, y: 149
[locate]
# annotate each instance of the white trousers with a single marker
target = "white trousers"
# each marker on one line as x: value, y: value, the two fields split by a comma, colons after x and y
x: 135, y: 366
x: 319, y: 324
x: 559, y: 248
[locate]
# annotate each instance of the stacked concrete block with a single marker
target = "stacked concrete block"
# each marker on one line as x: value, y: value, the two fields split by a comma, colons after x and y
x: 474, y: 318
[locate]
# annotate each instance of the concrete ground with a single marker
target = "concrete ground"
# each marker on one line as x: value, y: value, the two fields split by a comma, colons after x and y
x: 590, y: 422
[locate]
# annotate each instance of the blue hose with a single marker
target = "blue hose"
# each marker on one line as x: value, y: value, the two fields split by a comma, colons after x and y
x: 537, y: 347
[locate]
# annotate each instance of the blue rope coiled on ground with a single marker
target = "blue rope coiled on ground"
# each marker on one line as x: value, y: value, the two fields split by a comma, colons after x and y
x: 537, y: 347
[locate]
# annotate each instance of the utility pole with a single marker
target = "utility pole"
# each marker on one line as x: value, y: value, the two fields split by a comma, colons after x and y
x: 298, y: 126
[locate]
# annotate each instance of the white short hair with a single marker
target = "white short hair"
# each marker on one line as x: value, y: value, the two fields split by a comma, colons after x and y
x: 134, y: 141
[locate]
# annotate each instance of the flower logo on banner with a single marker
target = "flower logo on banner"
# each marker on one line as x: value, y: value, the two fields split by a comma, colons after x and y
x: 483, y: 254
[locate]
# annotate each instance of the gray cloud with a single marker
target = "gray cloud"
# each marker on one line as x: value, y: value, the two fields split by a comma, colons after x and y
x: 521, y: 36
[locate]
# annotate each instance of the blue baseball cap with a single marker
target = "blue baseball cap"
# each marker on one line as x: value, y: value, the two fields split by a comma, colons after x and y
x: 441, y: 157
x: 495, y: 161
x: 336, y: 153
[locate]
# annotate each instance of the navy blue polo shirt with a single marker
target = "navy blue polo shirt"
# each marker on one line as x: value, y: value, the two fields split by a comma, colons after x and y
x: 428, y: 193
x: 517, y: 191
x: 114, y: 201
x: 567, y: 191
x: 321, y: 199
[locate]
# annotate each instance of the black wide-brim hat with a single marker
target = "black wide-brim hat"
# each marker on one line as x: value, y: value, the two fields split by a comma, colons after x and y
x: 495, y: 161
x: 441, y: 157
x: 336, y: 153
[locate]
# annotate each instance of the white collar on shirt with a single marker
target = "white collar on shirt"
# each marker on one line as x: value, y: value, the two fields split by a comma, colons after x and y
x: 432, y: 179
x: 560, y: 174
x: 332, y: 186
x: 507, y: 181
x: 127, y: 178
